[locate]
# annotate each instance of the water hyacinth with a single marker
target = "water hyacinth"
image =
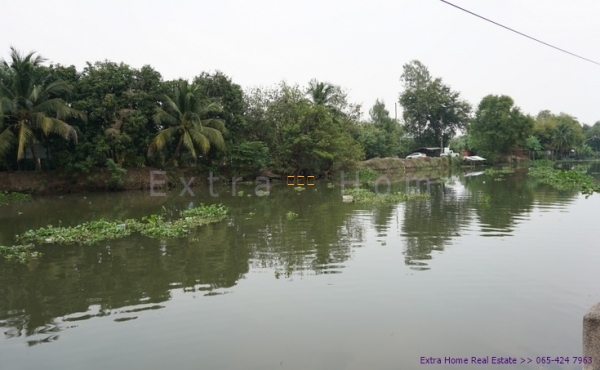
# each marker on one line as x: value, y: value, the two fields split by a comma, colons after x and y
x: 191, y: 218
x: 19, y: 253
x: 154, y: 226
x: 494, y: 172
x: 85, y: 233
x: 565, y: 179
x: 367, y: 196
x: 7, y: 197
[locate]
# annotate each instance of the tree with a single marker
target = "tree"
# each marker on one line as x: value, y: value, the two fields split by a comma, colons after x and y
x: 498, y: 126
x: 382, y: 136
x: 558, y: 132
x: 373, y: 140
x: 533, y: 145
x: 327, y: 95
x: 116, y: 136
x: 219, y: 88
x: 120, y: 102
x: 182, y: 119
x: 432, y: 112
x: 457, y: 144
x: 592, y: 136
x: 30, y: 105
x: 302, y: 137
x: 567, y: 135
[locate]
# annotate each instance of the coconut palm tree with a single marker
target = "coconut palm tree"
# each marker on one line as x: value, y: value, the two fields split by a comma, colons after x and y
x: 29, y: 107
x: 563, y: 137
x: 181, y: 118
x: 326, y: 94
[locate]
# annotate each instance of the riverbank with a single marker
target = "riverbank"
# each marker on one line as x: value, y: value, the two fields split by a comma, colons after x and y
x: 400, y: 164
x: 54, y: 182
x: 103, y: 179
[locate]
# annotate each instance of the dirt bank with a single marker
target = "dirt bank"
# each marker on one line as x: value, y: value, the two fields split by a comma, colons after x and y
x: 400, y: 164
x: 54, y: 182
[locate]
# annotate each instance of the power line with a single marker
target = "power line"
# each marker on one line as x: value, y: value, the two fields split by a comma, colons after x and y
x: 520, y: 33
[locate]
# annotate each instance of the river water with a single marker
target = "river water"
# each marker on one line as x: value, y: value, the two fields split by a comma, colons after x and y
x: 482, y: 268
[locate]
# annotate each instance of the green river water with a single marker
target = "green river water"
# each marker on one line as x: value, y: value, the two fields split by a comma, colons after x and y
x: 342, y: 286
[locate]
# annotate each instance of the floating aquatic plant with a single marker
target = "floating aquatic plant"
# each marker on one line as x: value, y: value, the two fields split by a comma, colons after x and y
x: 155, y: 226
x: 10, y: 197
x: 366, y: 196
x: 565, y: 179
x: 494, y: 172
x: 19, y: 253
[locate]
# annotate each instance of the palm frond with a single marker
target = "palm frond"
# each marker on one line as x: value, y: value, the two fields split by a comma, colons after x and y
x: 6, y: 106
x: 215, y: 137
x: 35, y: 93
x: 172, y: 106
x: 213, y: 107
x: 6, y: 92
x: 58, y: 88
x: 58, y: 107
x: 201, y: 141
x: 55, y: 126
x: 7, y: 141
x: 25, y: 137
x: 162, y: 139
x: 18, y: 58
x: 163, y: 117
x: 216, y: 123
x: 189, y: 144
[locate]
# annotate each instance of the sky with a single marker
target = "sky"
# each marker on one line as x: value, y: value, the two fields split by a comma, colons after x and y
x: 358, y: 45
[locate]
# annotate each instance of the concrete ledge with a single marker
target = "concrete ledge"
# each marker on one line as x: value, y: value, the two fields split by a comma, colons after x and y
x: 591, y: 337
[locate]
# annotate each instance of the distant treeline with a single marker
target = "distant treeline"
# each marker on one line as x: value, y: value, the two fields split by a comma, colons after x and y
x: 113, y: 115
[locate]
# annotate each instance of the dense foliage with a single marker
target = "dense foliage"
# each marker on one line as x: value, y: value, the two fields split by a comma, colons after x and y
x: 498, y: 126
x: 115, y: 116
x: 433, y: 112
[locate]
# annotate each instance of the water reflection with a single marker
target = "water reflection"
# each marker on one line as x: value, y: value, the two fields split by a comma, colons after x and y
x: 126, y: 278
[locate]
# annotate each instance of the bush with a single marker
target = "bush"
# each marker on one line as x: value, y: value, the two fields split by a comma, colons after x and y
x: 116, y: 175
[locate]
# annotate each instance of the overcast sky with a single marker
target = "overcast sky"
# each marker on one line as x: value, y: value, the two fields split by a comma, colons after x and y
x: 359, y: 45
